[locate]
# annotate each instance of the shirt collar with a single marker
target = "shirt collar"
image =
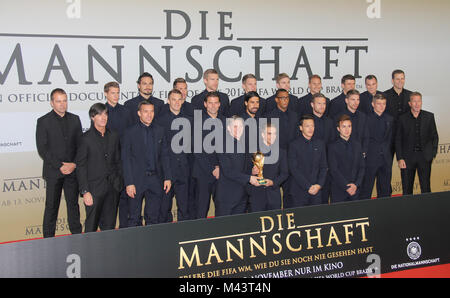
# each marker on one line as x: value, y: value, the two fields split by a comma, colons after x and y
x: 59, y: 117
x: 145, y: 126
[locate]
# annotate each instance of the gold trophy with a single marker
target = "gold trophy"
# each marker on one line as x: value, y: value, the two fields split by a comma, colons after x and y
x: 258, y: 161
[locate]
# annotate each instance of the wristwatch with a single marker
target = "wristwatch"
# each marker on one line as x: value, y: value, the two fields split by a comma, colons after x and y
x: 83, y: 192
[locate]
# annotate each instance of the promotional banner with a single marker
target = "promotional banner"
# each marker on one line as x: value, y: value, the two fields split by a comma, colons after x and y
x: 356, y: 239
x: 80, y: 45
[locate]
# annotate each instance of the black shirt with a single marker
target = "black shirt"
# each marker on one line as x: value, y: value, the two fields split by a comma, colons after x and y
x: 64, y: 126
x: 103, y: 140
x: 397, y: 104
x: 150, y: 146
x: 416, y: 124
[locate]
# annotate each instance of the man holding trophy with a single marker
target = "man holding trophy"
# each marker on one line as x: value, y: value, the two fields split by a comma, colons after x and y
x: 271, y: 169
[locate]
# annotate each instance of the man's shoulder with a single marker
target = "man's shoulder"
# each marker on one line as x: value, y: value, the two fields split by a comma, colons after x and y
x: 134, y: 100
x: 45, y: 117
x: 427, y: 114
x: 72, y: 116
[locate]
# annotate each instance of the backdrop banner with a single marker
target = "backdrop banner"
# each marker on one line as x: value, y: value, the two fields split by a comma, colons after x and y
x: 354, y: 239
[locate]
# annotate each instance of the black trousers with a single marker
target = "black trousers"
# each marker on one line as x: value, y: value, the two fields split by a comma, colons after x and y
x: 104, y: 207
x: 204, y: 191
x: 123, y: 210
x: 304, y: 198
x: 179, y: 189
x: 416, y: 163
x: 338, y: 195
x: 326, y: 190
x: 52, y: 201
x: 383, y: 174
x: 153, y: 194
x: 263, y: 199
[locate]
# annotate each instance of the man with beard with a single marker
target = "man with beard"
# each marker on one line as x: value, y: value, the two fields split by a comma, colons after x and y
x: 238, y: 107
x: 145, y: 86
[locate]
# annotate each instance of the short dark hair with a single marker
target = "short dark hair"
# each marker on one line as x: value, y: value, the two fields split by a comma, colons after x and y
x: 397, y: 71
x: 96, y: 109
x: 315, y: 76
x: 370, y: 77
x: 178, y: 81
x: 143, y: 75
x: 342, y: 118
x: 208, y: 72
x: 110, y: 85
x: 305, y: 117
x: 144, y: 103
x: 378, y: 96
x: 57, y: 91
x: 174, y: 91
x: 281, y: 76
x: 415, y: 93
x: 211, y: 94
x: 347, y: 77
x: 248, y: 76
x: 352, y: 92
x: 279, y: 91
x: 318, y: 95
x: 251, y: 94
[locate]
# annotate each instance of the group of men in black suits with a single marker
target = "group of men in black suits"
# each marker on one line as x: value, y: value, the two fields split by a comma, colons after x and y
x: 316, y: 150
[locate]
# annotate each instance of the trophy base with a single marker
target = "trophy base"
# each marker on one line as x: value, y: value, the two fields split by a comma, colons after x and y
x: 262, y: 181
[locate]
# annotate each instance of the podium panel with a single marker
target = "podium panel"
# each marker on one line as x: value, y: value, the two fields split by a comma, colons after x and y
x: 353, y: 239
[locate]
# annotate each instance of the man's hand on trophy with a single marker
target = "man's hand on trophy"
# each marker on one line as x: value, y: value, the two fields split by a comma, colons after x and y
x: 255, y: 170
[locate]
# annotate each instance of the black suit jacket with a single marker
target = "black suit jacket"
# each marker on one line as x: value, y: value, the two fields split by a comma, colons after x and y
x: 360, y: 130
x: 305, y: 169
x: 397, y: 105
x: 287, y: 131
x: 52, y: 147
x: 337, y: 106
x: 429, y: 139
x: 379, y: 146
x: 345, y: 170
x: 180, y: 161
x: 234, y: 175
x: 133, y: 156
x: 97, y: 169
x: 205, y: 162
